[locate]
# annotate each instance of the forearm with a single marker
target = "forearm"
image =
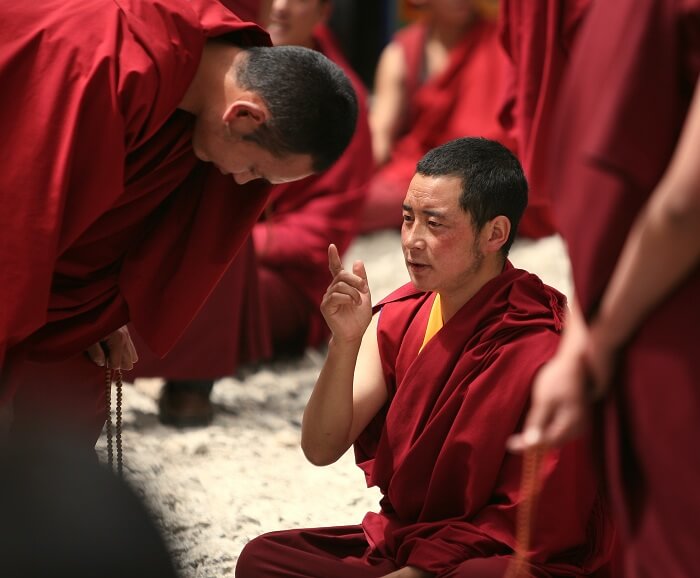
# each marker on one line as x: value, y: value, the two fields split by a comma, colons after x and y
x: 328, y: 417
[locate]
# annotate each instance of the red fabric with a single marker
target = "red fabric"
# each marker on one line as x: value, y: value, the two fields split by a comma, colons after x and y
x: 611, y: 147
x: 437, y: 451
x: 340, y: 552
x: 461, y: 101
x: 109, y: 217
x: 538, y: 37
x: 224, y: 334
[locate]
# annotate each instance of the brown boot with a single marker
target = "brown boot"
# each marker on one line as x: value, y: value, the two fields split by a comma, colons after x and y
x: 186, y: 404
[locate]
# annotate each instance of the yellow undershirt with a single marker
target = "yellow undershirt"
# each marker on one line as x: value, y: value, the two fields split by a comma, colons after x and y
x: 434, y: 321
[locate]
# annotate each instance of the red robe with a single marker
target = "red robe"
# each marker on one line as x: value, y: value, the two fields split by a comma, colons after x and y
x: 239, y: 322
x: 437, y: 450
x: 538, y: 37
x: 112, y: 216
x: 463, y: 100
x: 619, y: 119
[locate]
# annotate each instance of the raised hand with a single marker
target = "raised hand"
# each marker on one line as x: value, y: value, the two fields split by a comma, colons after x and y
x: 347, y: 304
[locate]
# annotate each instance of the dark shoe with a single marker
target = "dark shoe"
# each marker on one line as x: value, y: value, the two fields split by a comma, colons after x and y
x: 185, y: 408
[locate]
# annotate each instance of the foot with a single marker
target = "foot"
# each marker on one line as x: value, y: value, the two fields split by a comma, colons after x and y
x: 185, y: 407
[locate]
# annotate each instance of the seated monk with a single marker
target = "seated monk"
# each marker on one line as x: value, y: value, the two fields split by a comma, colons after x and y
x: 267, y: 302
x: 429, y: 385
x: 440, y: 78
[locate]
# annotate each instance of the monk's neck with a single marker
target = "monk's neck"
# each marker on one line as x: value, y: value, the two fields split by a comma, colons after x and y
x: 452, y: 300
x: 213, y: 78
x: 449, y: 34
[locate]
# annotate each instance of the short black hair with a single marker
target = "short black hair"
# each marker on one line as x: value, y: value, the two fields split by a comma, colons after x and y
x: 493, y: 182
x: 313, y: 106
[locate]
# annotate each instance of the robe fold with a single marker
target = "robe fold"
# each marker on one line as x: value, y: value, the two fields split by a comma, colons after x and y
x: 437, y: 449
x: 463, y: 100
x: 110, y: 215
x: 287, y: 275
x: 610, y: 149
x: 538, y: 38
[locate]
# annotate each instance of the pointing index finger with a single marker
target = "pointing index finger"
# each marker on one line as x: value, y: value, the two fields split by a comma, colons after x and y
x: 334, y: 262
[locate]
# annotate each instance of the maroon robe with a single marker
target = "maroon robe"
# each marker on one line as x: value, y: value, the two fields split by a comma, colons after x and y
x: 112, y: 216
x: 463, y: 100
x: 633, y: 72
x: 538, y: 37
x: 437, y: 451
x: 278, y: 290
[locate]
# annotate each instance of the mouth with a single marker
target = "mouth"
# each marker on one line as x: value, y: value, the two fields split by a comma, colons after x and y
x: 415, y: 266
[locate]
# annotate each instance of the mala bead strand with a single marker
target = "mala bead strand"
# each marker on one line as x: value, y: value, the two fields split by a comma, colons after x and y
x: 530, y: 488
x: 116, y: 376
x: 108, y: 424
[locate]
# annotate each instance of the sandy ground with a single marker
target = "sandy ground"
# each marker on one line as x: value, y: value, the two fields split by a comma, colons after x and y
x: 213, y: 489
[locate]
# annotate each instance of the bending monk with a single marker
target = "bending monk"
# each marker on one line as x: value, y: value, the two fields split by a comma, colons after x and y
x: 127, y: 130
x: 429, y: 387
x: 266, y: 305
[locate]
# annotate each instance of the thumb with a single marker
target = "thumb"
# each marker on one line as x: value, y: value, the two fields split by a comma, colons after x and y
x: 96, y: 354
x: 532, y: 434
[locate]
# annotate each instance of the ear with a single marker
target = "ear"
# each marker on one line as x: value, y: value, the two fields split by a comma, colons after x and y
x: 244, y: 116
x: 495, y: 234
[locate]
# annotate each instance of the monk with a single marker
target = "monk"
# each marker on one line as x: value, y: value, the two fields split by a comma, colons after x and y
x: 267, y: 303
x: 428, y: 386
x: 438, y: 79
x: 628, y: 204
x: 128, y: 131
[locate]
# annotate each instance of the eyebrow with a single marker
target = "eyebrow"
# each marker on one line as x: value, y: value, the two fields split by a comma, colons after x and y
x: 429, y: 212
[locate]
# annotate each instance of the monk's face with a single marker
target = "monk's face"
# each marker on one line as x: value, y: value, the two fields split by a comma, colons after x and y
x: 440, y: 244
x: 293, y: 21
x: 246, y: 160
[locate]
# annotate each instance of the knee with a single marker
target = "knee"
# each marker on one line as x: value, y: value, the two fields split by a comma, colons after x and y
x: 253, y: 559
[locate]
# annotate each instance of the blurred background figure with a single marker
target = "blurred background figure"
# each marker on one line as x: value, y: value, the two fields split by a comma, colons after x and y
x: 439, y: 78
x: 64, y: 515
x: 267, y: 305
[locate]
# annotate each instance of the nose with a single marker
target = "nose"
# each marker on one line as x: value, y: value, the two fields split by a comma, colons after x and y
x: 413, y: 236
x: 244, y: 177
x: 279, y: 5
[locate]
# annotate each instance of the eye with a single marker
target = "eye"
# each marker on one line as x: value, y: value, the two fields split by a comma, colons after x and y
x: 407, y: 218
x: 434, y: 224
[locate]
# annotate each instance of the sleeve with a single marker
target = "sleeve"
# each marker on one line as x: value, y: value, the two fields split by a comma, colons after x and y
x: 55, y: 146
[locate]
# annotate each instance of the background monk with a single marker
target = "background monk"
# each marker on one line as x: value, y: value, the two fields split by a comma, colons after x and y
x: 438, y: 79
x: 126, y: 132
x: 429, y: 388
x: 628, y: 203
x: 267, y: 302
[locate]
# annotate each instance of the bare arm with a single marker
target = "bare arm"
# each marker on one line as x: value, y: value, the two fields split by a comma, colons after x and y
x: 388, y: 102
x: 350, y: 389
